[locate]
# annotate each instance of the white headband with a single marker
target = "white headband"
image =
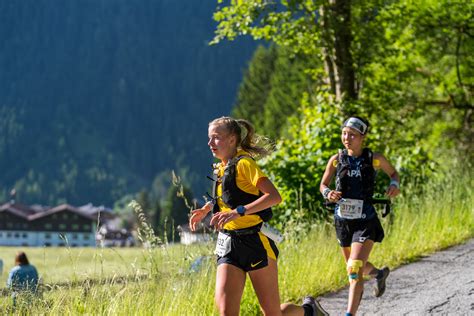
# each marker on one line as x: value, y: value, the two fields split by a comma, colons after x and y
x: 357, y: 124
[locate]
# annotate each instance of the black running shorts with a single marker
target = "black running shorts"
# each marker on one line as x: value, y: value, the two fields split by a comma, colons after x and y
x: 350, y: 231
x: 250, y: 252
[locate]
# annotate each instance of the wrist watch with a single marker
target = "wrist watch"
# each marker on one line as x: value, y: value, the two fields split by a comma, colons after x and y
x: 241, y: 210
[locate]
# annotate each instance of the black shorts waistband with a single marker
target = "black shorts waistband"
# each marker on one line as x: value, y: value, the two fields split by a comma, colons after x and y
x: 244, y: 231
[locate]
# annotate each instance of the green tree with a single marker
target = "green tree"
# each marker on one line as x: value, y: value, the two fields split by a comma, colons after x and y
x: 176, y: 210
x: 406, y: 66
x: 321, y: 29
x: 352, y: 37
x: 143, y: 199
x: 156, y: 219
x: 296, y: 167
x: 272, y: 88
x: 255, y: 86
x: 289, y: 80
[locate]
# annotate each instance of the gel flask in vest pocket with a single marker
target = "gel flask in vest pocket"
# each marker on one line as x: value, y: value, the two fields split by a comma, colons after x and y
x: 271, y: 232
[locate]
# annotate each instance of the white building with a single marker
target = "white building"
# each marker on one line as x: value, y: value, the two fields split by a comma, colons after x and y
x: 203, y: 233
x: 22, y: 225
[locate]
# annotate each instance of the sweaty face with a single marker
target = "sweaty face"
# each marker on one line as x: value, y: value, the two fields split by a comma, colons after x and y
x: 222, y: 144
x: 351, y: 139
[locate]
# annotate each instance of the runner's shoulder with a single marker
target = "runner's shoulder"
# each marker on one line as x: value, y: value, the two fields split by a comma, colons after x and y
x: 333, y: 160
x: 378, y: 158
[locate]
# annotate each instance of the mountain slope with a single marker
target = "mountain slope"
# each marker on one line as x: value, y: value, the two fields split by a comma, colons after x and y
x: 98, y: 97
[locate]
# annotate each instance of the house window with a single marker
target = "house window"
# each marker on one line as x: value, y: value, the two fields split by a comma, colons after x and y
x: 62, y: 226
x: 17, y: 235
x: 86, y: 236
x: 75, y: 226
x: 75, y: 216
x: 9, y: 225
x: 55, y: 216
x: 48, y: 226
x: 86, y: 227
x: 47, y: 236
x: 74, y: 236
x: 25, y: 225
x: 65, y: 216
x: 9, y: 235
x: 24, y: 235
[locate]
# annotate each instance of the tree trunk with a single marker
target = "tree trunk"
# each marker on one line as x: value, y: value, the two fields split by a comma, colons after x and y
x: 328, y: 50
x: 337, y: 37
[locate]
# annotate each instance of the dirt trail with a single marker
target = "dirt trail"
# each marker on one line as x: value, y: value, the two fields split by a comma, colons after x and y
x: 440, y: 284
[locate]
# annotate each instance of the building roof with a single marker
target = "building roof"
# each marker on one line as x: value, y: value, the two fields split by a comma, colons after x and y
x: 17, y: 209
x: 61, y: 208
x: 96, y: 211
x: 31, y: 213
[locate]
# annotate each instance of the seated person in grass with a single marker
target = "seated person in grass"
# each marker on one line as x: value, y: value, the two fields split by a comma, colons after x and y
x: 23, y: 277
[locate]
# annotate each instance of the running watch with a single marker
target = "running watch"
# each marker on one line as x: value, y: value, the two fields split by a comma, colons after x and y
x: 241, y: 210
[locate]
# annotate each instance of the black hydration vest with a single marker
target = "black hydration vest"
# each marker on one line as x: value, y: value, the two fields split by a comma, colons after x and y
x: 232, y: 195
x: 345, y: 183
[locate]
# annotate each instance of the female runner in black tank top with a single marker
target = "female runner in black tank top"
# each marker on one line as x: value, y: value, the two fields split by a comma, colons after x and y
x: 357, y: 225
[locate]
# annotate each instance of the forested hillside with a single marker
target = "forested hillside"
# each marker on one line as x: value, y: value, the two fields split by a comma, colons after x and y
x: 99, y: 97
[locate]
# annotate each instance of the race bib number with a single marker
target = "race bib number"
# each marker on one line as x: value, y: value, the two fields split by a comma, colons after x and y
x: 222, y: 245
x: 350, y: 208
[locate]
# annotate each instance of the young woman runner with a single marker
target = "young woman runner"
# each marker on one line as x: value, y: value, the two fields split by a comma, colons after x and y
x: 243, y: 197
x: 356, y: 222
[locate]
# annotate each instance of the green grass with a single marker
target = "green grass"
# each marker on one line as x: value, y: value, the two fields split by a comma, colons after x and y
x: 158, y: 282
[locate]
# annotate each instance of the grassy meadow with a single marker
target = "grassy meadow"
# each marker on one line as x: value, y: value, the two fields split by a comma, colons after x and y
x: 159, y: 281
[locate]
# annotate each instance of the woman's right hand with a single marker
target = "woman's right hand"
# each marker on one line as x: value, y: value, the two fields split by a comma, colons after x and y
x: 334, y: 196
x: 197, y: 215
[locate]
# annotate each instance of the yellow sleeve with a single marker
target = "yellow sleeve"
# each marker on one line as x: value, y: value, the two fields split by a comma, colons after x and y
x: 248, y: 174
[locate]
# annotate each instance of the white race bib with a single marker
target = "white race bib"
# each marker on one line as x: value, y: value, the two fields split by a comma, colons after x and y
x: 350, y: 208
x: 222, y: 245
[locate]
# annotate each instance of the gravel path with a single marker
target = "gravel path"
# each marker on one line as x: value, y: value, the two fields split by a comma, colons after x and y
x: 441, y: 284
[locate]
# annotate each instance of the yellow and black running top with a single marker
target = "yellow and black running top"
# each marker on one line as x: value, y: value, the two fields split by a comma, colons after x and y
x: 247, y: 175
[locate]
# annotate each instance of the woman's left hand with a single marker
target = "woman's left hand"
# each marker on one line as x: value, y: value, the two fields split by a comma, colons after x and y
x: 392, y: 191
x: 221, y: 218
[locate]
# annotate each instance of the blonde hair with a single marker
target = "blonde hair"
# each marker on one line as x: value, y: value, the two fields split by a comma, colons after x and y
x: 257, y: 146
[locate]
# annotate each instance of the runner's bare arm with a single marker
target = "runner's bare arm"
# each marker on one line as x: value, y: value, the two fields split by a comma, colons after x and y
x: 328, y: 175
x: 394, y: 187
x: 270, y: 197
